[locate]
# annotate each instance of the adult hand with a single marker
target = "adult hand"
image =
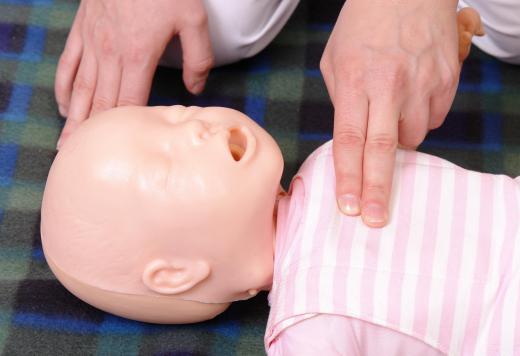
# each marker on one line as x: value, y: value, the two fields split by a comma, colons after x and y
x: 391, y: 69
x: 114, y: 48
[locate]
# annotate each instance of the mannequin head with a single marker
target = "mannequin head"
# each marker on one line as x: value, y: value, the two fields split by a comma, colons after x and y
x: 163, y: 203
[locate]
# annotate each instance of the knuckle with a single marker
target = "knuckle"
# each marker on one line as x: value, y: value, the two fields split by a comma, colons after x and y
x: 423, y: 79
x: 355, y: 76
x: 383, y: 143
x: 348, y: 179
x: 128, y: 101
x: 373, y: 189
x: 448, y: 79
x: 350, y: 136
x: 448, y: 82
x: 442, y: 86
x: 398, y: 77
x: 137, y: 54
x: 395, y: 70
x: 351, y: 74
x: 100, y: 104
x: 324, y: 65
x: 83, y: 85
x: 107, y: 45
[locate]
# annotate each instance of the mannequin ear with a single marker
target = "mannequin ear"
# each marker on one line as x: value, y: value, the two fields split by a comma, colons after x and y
x: 175, y: 276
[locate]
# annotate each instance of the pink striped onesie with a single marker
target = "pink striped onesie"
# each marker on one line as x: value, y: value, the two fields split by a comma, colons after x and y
x: 443, y: 276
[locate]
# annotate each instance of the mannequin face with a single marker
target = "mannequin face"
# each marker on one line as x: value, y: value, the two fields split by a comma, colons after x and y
x: 165, y: 200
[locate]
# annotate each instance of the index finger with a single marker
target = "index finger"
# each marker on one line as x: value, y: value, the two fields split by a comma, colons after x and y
x: 350, y: 126
x: 379, y: 160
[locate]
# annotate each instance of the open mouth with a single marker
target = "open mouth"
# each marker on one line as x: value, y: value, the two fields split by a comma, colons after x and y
x: 237, y: 143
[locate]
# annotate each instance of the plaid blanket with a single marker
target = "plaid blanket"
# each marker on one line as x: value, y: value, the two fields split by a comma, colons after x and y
x: 281, y: 88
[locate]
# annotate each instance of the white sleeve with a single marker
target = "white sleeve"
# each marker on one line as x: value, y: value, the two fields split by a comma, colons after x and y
x: 501, y: 19
x: 238, y: 28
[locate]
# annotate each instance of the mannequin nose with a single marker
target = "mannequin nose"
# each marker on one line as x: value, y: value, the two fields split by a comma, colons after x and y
x: 196, y: 125
x: 196, y: 131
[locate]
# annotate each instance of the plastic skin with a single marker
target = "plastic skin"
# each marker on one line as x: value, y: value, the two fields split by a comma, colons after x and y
x: 165, y: 208
x: 167, y: 214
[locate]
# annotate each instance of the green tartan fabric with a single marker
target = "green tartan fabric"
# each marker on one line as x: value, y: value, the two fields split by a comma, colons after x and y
x: 281, y: 88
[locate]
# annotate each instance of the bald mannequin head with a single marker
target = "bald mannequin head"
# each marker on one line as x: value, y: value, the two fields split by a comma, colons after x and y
x: 168, y: 203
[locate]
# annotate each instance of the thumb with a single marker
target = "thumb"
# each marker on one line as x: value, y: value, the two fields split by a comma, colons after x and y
x: 197, y: 57
x: 469, y: 24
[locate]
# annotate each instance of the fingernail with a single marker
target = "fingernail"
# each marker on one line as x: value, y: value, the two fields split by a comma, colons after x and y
x: 349, y: 204
x: 374, y: 215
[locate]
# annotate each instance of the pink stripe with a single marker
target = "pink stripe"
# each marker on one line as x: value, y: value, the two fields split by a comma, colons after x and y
x: 517, y: 286
x: 481, y: 264
x: 348, y: 225
x: 453, y: 270
x: 283, y: 230
x: 422, y: 296
x: 289, y: 294
x: 368, y: 280
x: 512, y: 210
x: 286, y: 309
x: 401, y: 239
x: 283, y: 243
x: 327, y: 208
x: 293, y: 254
x: 516, y: 338
x: 290, y: 297
x: 312, y: 301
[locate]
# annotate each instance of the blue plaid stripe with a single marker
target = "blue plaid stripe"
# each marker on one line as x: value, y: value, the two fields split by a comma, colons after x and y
x: 18, y: 103
x: 8, y: 154
x: 33, y: 47
x: 28, y: 2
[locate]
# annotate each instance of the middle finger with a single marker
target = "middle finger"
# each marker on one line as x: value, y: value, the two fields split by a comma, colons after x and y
x: 378, y: 160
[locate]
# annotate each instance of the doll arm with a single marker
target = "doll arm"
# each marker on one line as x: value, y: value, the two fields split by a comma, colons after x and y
x: 469, y: 25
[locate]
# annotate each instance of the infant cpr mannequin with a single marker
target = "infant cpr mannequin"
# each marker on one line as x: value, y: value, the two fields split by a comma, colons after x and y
x: 177, y: 212
x: 168, y: 214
